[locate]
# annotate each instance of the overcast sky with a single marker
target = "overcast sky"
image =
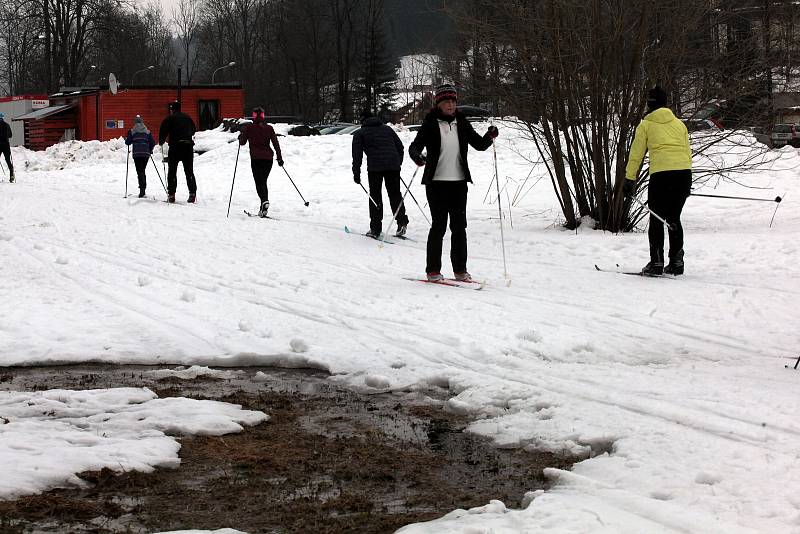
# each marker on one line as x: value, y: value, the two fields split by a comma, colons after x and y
x: 166, y: 4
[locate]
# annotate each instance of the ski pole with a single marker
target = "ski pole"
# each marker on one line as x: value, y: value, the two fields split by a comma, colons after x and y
x: 158, y: 173
x: 127, y: 165
x: 295, y: 186
x: 367, y: 193
x: 234, y: 180
x: 415, y: 201
x: 2, y: 169
x: 402, y: 202
x: 776, y: 199
x: 652, y: 212
x: 499, y: 209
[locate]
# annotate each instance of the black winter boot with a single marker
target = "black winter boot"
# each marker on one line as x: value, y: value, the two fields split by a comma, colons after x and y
x: 675, y: 266
x: 656, y: 265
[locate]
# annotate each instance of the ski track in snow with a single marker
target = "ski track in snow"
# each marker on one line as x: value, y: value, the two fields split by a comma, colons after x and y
x: 675, y: 389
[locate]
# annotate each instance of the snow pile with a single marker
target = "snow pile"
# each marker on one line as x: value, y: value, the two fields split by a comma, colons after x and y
x: 47, y: 437
x: 195, y: 371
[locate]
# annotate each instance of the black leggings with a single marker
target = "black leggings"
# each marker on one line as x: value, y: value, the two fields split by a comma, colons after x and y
x: 141, y: 166
x: 261, y: 169
x: 392, y: 181
x: 666, y: 195
x: 6, y: 150
x: 181, y: 153
x: 447, y: 199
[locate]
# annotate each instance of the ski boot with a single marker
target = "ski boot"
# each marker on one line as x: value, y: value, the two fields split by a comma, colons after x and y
x: 434, y: 277
x: 656, y: 265
x: 401, y: 230
x: 675, y: 266
x: 262, y: 211
x: 192, y: 198
x: 463, y: 277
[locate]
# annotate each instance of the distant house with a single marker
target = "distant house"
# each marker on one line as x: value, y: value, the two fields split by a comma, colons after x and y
x: 92, y: 113
x: 16, y: 106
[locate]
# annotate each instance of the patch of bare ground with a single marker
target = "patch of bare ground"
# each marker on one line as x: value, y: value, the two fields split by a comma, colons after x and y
x: 329, y: 460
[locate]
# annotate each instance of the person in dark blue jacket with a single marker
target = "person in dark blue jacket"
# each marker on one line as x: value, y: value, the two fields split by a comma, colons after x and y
x: 141, y: 142
x: 384, y: 157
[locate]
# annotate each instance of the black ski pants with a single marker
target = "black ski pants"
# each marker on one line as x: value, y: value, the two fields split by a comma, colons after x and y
x: 392, y: 181
x: 6, y: 150
x: 666, y: 195
x: 447, y: 199
x: 261, y: 169
x: 181, y: 153
x: 141, y: 167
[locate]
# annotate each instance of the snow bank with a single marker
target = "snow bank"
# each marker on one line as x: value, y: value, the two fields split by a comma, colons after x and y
x: 47, y: 437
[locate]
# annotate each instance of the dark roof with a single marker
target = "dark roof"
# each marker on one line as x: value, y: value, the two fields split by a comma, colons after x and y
x: 44, y: 112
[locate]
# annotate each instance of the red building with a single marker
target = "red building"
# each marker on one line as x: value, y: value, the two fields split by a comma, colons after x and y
x: 88, y: 114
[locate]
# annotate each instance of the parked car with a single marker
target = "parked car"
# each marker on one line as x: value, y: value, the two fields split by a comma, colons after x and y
x: 698, y: 125
x: 303, y: 130
x: 785, y: 134
x: 333, y: 129
x: 284, y: 119
x: 474, y: 111
x: 350, y: 130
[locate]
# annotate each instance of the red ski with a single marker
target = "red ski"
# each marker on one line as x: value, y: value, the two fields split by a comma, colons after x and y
x: 452, y: 282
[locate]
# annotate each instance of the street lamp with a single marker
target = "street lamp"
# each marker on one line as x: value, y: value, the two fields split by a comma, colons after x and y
x: 231, y: 64
x: 151, y: 67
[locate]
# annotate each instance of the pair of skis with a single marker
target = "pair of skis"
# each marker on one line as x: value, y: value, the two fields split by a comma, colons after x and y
x: 257, y: 215
x: 619, y: 270
x: 381, y: 238
x: 449, y: 282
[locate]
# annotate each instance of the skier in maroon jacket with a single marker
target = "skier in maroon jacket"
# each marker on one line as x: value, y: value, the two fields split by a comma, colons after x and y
x: 259, y: 134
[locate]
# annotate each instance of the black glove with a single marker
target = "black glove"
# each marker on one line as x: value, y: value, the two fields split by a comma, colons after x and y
x: 628, y: 187
x: 280, y: 163
x: 421, y: 161
x: 492, y: 132
x: 357, y: 178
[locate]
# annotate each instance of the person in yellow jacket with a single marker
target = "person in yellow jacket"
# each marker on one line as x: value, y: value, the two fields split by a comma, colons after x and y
x: 666, y: 139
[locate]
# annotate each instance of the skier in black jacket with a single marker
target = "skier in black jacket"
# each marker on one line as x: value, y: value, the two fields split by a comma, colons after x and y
x: 384, y: 157
x: 5, y: 145
x: 179, y: 128
x: 445, y: 133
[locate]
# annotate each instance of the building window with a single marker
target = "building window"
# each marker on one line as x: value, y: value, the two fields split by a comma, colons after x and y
x: 209, y: 114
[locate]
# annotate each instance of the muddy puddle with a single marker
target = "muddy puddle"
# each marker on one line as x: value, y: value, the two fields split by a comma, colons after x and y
x: 329, y: 460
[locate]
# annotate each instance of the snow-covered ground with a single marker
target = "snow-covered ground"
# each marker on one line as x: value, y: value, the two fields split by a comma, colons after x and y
x: 675, y: 388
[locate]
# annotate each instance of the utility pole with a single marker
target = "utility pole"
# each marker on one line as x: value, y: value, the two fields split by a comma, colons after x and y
x: 180, y: 68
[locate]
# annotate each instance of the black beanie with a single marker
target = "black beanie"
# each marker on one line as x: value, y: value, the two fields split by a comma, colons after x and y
x: 446, y: 92
x: 656, y: 98
x: 366, y: 113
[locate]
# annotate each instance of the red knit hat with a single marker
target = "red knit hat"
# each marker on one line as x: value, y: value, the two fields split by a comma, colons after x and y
x: 446, y: 92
